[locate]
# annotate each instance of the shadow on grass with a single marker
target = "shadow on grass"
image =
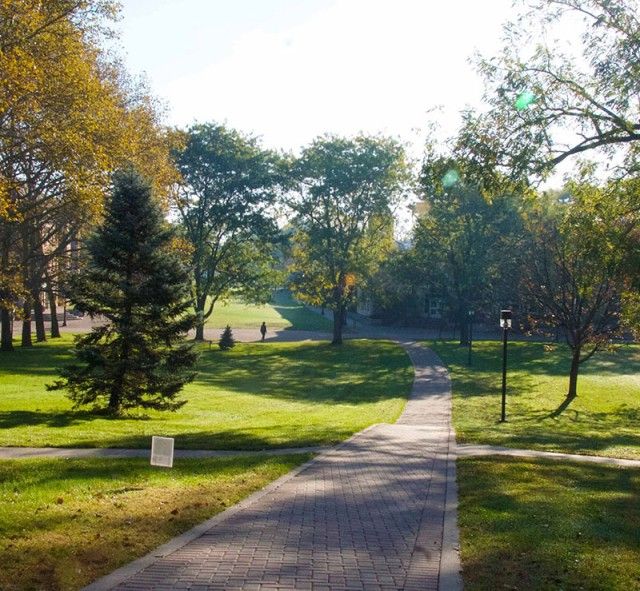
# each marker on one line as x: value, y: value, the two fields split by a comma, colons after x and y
x: 297, y: 314
x: 579, y: 442
x: 248, y: 439
x: 542, y: 358
x: 543, y: 525
x: 355, y: 373
x: 21, y: 418
x: 130, y: 470
x: 41, y: 360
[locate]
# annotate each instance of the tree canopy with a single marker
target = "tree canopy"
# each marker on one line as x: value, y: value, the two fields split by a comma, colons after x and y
x: 225, y: 209
x: 345, y: 191
x: 69, y: 116
x: 552, y: 97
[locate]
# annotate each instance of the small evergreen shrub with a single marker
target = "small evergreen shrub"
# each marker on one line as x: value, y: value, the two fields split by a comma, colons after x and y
x: 226, y: 341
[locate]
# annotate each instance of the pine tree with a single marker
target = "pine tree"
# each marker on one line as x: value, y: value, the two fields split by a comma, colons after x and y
x: 226, y: 339
x: 137, y: 282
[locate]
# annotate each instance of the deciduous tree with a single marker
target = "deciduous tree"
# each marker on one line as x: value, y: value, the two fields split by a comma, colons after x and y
x: 576, y: 266
x: 224, y: 205
x: 68, y: 117
x: 565, y: 84
x: 346, y: 189
x: 466, y: 242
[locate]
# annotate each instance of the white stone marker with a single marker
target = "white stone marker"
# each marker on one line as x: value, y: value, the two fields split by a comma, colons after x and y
x: 162, y: 451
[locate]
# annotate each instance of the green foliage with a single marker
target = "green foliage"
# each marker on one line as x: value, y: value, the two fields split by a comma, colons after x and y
x: 580, y: 90
x: 139, y: 285
x: 467, y: 240
x: 346, y: 190
x: 577, y: 264
x: 395, y: 285
x: 226, y: 341
x: 542, y: 525
x: 225, y: 206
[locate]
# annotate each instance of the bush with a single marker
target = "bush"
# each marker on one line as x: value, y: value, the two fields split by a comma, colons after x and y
x: 226, y: 339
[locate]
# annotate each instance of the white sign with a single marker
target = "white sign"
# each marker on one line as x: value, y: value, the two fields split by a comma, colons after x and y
x: 162, y: 451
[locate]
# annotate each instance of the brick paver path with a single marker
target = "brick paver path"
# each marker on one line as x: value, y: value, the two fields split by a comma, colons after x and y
x: 368, y: 514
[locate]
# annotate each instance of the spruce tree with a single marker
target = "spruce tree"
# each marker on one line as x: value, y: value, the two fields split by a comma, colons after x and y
x: 226, y: 339
x: 136, y: 281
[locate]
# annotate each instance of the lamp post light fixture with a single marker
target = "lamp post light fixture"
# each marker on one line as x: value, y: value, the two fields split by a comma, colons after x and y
x: 470, y: 313
x: 505, y: 324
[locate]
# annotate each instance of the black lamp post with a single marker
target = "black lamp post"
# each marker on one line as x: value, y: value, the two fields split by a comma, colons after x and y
x: 470, y: 314
x: 505, y: 324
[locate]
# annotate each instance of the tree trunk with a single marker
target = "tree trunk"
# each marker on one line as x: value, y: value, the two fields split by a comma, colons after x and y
x: 26, y: 325
x: 38, y: 314
x: 573, y: 374
x: 6, y: 321
x: 338, y: 316
x: 64, y: 313
x: 55, y: 329
x: 200, y: 304
x: 114, y: 399
x: 200, y: 331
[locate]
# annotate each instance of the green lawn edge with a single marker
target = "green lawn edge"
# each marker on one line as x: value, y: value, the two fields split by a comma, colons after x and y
x: 538, y: 525
x: 603, y: 420
x: 65, y: 523
x: 256, y: 396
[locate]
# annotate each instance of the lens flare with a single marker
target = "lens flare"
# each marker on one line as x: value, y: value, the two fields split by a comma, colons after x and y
x: 450, y: 178
x: 525, y: 100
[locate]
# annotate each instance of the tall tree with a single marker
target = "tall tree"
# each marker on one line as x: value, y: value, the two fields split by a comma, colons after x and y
x: 346, y: 189
x: 68, y: 116
x: 466, y: 241
x: 575, y: 270
x: 224, y: 204
x: 136, y: 280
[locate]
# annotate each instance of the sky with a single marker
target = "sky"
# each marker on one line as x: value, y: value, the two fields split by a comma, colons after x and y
x: 291, y: 70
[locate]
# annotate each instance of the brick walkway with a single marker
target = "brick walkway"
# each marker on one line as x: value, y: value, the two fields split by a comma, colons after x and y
x: 369, y: 514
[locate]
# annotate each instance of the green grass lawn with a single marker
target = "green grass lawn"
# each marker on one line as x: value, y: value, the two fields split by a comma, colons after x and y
x: 603, y: 420
x: 282, y: 312
x: 548, y: 526
x: 255, y: 396
x: 64, y: 523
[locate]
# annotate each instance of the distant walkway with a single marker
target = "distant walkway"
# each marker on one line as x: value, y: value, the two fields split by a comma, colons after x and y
x: 375, y: 513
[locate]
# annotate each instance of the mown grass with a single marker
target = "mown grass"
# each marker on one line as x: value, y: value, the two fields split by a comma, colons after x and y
x: 602, y: 420
x: 547, y: 525
x: 282, y: 313
x: 64, y: 523
x: 256, y: 396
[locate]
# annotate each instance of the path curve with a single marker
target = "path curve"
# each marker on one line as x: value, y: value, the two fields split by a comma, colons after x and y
x: 376, y: 512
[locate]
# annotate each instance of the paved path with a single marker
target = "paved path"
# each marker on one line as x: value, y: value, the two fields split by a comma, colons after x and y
x: 376, y: 512
x: 19, y: 453
x: 470, y: 450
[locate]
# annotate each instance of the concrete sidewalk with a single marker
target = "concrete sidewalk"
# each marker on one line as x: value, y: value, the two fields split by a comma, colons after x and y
x: 473, y: 450
x: 376, y: 512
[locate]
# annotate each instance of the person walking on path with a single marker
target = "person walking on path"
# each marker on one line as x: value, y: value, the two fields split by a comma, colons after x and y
x: 263, y: 330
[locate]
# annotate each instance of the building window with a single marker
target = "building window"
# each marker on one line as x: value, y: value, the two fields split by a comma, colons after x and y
x: 433, y: 307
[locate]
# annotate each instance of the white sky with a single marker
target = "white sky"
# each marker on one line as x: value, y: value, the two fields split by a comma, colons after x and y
x: 290, y: 70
